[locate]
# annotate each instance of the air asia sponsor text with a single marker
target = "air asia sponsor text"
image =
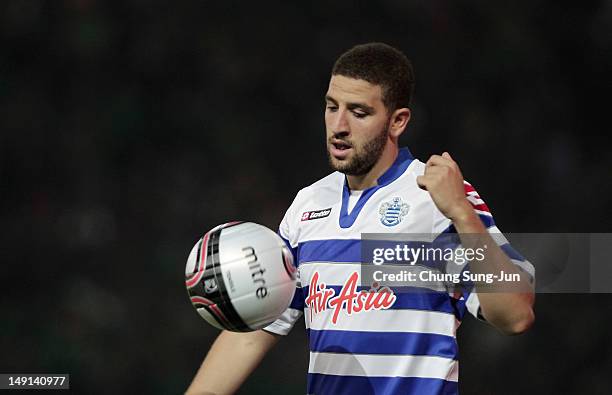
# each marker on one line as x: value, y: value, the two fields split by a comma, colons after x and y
x: 320, y: 297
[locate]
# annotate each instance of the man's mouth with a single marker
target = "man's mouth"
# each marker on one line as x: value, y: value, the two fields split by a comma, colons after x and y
x: 341, y: 145
x: 339, y: 149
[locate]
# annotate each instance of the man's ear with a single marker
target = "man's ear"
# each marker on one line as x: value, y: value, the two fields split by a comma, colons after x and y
x: 399, y: 120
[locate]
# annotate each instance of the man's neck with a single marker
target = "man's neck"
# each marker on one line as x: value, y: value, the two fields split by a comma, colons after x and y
x: 369, y: 179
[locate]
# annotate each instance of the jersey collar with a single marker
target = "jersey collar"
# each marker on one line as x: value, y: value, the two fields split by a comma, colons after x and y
x: 399, y: 166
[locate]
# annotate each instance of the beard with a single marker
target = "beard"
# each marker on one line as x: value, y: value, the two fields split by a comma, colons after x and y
x: 364, y: 157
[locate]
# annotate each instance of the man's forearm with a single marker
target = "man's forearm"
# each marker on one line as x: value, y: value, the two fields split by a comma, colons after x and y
x: 231, y: 359
x: 507, y: 306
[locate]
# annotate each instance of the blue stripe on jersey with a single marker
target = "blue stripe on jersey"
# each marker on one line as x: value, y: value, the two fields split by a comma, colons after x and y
x: 413, y: 298
x: 322, y: 384
x: 298, y: 300
x: 487, y: 220
x: 512, y: 253
x: 395, y: 343
x: 332, y: 250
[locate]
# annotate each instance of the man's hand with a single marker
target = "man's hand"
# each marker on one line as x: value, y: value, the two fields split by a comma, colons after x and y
x: 444, y: 182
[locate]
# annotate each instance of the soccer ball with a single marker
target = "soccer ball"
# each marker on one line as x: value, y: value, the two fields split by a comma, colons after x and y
x: 240, y: 276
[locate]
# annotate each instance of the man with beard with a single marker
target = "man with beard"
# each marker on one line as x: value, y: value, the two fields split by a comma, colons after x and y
x: 363, y: 338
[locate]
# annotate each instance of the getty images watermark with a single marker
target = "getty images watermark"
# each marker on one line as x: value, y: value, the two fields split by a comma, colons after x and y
x: 411, y: 255
x: 561, y: 263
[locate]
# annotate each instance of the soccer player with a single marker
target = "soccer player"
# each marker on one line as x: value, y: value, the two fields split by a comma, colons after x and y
x: 405, y: 342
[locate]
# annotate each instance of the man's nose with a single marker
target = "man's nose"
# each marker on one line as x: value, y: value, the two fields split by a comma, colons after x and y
x: 340, y: 124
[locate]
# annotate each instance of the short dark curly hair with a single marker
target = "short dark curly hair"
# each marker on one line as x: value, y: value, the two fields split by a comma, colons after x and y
x: 383, y: 65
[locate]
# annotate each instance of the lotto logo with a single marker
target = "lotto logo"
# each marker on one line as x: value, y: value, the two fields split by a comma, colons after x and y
x: 308, y: 215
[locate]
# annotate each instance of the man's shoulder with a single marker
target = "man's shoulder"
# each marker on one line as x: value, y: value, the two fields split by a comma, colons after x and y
x: 317, y: 197
x: 417, y: 167
x: 331, y: 182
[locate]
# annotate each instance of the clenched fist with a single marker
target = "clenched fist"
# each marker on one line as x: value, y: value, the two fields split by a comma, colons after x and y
x: 444, y: 182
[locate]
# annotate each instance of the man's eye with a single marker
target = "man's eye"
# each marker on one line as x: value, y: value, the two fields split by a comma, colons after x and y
x: 332, y: 108
x: 360, y: 114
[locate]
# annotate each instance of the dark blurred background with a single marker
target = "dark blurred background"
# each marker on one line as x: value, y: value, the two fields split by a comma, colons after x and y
x: 128, y: 129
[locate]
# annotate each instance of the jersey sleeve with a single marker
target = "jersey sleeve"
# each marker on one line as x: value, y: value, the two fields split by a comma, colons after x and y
x: 286, y: 321
x: 470, y: 296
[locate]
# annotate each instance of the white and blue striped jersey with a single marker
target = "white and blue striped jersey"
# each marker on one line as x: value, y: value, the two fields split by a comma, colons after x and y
x: 407, y: 346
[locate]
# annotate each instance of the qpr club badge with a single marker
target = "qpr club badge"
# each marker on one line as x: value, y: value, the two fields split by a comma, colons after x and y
x: 392, y: 213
